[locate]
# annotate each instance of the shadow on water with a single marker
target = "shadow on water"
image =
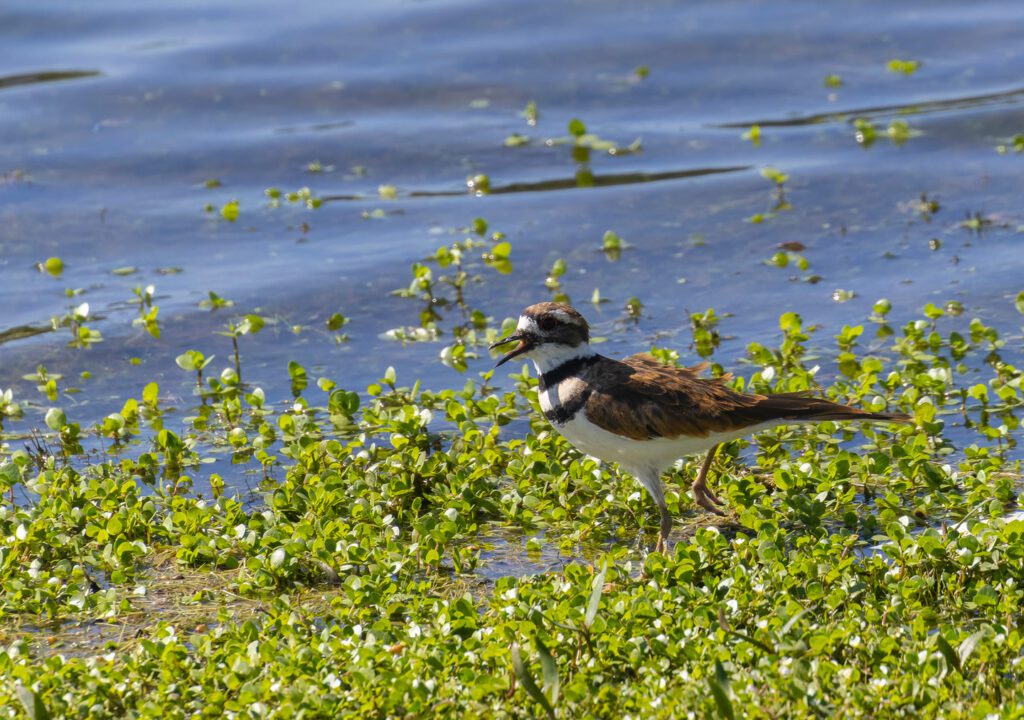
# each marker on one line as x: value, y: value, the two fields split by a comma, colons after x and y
x: 580, y: 180
x: 968, y: 102
x: 45, y: 77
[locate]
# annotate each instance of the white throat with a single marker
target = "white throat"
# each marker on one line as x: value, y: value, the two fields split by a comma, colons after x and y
x: 548, y: 356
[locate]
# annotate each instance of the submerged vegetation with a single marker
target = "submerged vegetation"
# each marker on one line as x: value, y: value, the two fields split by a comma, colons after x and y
x: 865, y: 571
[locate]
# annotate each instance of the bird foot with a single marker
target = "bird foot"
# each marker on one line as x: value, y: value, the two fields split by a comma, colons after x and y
x: 707, y: 499
x: 661, y: 546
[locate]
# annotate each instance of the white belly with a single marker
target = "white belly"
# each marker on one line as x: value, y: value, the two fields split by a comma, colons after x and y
x: 637, y: 455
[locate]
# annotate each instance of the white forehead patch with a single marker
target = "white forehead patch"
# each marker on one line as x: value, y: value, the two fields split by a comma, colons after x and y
x: 527, y: 324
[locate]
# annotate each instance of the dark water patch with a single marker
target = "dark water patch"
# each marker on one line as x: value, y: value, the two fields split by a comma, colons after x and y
x: 37, y: 78
x: 922, y: 107
x: 582, y: 180
x: 23, y: 331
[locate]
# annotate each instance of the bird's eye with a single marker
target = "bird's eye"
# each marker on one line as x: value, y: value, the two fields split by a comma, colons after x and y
x: 546, y: 323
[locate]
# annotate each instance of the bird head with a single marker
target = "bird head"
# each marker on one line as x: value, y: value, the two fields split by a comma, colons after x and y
x: 546, y: 326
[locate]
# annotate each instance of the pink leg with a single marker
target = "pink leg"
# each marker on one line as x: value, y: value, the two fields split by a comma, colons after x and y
x: 701, y: 495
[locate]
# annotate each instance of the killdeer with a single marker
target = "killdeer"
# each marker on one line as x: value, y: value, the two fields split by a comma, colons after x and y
x: 645, y: 415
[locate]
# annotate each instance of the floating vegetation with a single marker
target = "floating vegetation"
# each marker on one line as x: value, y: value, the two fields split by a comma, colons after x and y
x: 303, y: 195
x: 229, y: 211
x: 753, y: 135
x: 53, y: 266
x: 1015, y: 144
x: 581, y: 141
x: 612, y: 245
x: 530, y: 114
x: 898, y: 131
x: 441, y: 285
x: 903, y: 67
x: 785, y: 258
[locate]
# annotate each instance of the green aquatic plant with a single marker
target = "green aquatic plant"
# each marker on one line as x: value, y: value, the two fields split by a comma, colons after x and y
x: 530, y: 113
x: 785, y: 258
x: 1015, y: 143
x: 753, y: 135
x: 194, y: 361
x: 229, y: 210
x: 444, y: 287
x: 864, y: 132
x: 247, y: 325
x: 903, y: 67
x: 774, y: 175
x: 148, y: 312
x: 612, y: 245
x: 82, y: 336
x: 214, y: 301
x: 479, y: 185
x: 53, y: 266
x: 9, y: 409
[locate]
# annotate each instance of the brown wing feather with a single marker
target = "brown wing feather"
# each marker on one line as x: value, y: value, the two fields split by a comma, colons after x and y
x: 642, y: 398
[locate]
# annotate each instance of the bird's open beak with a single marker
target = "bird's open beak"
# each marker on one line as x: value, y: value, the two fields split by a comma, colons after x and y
x: 525, y: 345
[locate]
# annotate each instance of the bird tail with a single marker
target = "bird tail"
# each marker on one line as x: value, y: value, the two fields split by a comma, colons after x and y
x: 800, y: 407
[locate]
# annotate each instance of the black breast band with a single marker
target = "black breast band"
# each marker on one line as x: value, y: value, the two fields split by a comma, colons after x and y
x: 563, y: 413
x: 566, y: 370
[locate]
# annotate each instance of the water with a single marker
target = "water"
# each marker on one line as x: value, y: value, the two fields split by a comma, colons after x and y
x: 113, y: 116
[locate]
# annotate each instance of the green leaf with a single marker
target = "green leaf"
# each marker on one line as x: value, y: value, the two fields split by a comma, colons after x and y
x: 968, y: 646
x: 343, y: 402
x: 528, y: 683
x: 186, y: 361
x: 10, y: 474
x: 597, y: 588
x: 1019, y: 303
x: 55, y: 419
x: 952, y: 659
x: 549, y: 669
x: 611, y: 241
x: 150, y: 393
x: 516, y: 140
x: 230, y: 211
x: 251, y: 324
x: 720, y: 691
x: 54, y: 266
x: 774, y: 174
x: 33, y: 704
x: 905, y: 67
x: 577, y: 128
x: 336, y: 321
